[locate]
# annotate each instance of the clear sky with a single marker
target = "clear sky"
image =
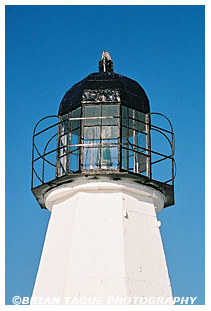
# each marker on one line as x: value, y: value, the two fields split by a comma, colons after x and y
x: 50, y: 48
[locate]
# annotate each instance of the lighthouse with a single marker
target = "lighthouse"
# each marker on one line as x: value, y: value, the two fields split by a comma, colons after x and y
x: 97, y: 168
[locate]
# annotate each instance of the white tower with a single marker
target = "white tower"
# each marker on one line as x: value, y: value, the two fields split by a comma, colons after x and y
x: 103, y: 239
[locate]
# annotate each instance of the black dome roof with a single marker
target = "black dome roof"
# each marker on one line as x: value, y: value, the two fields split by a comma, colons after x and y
x: 131, y: 93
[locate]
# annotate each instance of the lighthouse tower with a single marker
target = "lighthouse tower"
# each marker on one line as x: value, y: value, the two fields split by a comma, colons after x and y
x: 96, y: 168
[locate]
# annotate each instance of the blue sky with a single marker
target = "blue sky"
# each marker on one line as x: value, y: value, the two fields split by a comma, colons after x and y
x: 50, y: 48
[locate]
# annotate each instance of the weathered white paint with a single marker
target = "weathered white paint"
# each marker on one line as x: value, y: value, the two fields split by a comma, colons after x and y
x: 103, y: 240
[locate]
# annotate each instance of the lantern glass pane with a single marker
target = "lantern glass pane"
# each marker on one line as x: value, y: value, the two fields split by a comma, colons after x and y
x: 69, y: 138
x: 140, y: 121
x: 74, y: 163
x: 110, y: 111
x: 75, y: 137
x: 134, y: 155
x: 124, y: 158
x: 130, y: 118
x: 92, y: 111
x: 91, y: 134
x: 64, y: 141
x: 124, y: 132
x: 76, y: 123
x: 109, y: 132
x: 124, y: 116
x: 90, y: 158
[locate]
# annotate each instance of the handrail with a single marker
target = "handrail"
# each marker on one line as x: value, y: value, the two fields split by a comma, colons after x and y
x: 118, y: 144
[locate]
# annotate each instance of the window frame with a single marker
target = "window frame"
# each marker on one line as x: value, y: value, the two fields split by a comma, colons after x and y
x: 101, y: 125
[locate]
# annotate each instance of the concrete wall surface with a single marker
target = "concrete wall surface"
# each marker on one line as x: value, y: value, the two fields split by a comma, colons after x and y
x: 103, y: 240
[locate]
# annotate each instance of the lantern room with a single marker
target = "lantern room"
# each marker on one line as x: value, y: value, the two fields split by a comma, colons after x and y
x: 103, y: 130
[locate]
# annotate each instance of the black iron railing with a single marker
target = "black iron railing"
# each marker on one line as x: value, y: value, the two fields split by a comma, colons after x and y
x: 51, y: 150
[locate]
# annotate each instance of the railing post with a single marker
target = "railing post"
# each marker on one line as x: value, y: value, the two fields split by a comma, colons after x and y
x: 32, y: 178
x: 148, y: 145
